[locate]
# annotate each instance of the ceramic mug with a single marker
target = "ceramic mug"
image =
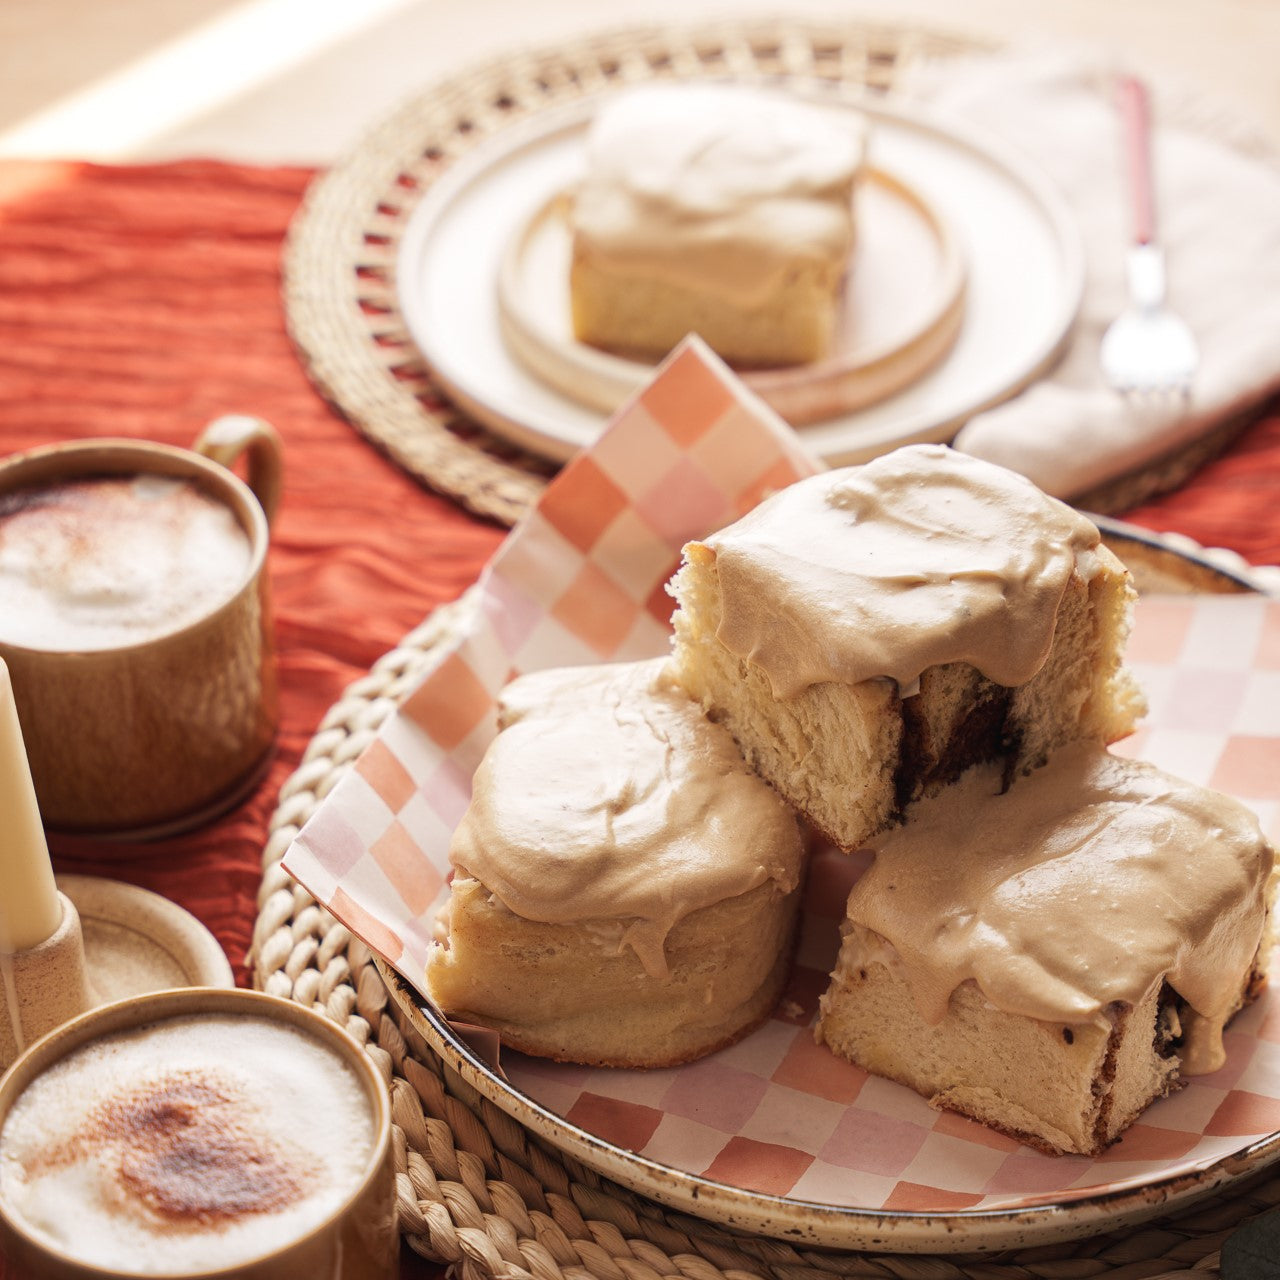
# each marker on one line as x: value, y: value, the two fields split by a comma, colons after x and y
x: 141, y: 716
x: 198, y: 1132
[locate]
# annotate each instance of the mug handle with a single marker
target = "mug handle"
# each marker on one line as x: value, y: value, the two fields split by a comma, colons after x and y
x: 226, y: 438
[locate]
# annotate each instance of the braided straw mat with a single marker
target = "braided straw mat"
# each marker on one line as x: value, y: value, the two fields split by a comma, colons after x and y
x: 339, y: 259
x: 478, y: 1191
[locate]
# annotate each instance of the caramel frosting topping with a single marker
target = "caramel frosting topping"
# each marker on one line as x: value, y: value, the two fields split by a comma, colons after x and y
x: 608, y: 795
x: 718, y: 186
x: 1086, y: 883
x: 921, y: 557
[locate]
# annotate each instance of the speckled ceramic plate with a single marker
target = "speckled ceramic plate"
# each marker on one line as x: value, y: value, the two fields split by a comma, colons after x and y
x: 1029, y: 1219
x: 891, y: 1173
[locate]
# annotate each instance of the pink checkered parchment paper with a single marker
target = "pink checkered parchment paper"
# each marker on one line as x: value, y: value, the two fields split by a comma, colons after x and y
x: 581, y: 580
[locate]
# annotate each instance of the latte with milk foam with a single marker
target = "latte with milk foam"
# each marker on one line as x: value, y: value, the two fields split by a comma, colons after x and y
x: 114, y: 561
x: 190, y: 1144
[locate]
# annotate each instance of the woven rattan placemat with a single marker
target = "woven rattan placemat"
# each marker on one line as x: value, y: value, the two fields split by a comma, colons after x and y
x: 340, y: 254
x: 477, y: 1190
x: 339, y: 262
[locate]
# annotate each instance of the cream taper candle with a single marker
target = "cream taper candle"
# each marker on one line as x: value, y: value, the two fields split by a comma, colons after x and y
x: 30, y: 910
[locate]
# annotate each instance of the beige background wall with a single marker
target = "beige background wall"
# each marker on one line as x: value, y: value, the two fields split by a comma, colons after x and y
x: 299, y: 80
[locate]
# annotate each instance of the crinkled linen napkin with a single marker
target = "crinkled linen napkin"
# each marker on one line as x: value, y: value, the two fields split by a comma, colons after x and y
x: 1218, y: 218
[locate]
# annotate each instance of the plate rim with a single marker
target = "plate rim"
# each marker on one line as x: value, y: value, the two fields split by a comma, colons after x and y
x: 143, y: 912
x: 908, y: 1231
x: 1050, y: 204
x: 844, y: 1227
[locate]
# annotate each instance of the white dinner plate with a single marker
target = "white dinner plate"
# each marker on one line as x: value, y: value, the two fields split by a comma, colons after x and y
x: 1022, y: 254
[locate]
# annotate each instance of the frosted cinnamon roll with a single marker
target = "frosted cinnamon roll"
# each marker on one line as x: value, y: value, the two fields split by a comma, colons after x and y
x: 625, y: 889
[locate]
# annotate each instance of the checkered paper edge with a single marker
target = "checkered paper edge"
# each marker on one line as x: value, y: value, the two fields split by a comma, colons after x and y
x: 776, y: 1113
x: 581, y: 579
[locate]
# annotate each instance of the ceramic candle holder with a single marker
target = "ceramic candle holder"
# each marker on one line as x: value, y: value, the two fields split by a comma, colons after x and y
x: 43, y: 986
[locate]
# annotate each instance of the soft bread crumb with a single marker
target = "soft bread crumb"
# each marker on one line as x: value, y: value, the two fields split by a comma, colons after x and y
x: 850, y: 757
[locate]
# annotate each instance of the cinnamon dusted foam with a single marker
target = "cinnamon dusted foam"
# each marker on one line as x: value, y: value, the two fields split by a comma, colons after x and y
x: 1086, y: 883
x: 619, y: 800
x: 191, y: 1144
x: 112, y: 561
x: 922, y: 557
x: 718, y: 187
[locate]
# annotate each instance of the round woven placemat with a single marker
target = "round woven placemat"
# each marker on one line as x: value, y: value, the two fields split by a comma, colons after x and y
x: 339, y: 260
x: 340, y: 254
x: 477, y: 1190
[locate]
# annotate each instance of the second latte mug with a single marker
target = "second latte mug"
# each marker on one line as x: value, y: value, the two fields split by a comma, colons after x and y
x: 136, y: 625
x: 198, y: 1133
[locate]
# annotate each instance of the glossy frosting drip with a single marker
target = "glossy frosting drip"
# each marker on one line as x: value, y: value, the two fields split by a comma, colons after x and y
x: 716, y: 185
x: 1088, y: 882
x: 608, y: 795
x: 922, y: 557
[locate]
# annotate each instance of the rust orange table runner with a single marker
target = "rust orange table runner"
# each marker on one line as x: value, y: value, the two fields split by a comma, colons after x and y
x: 144, y: 301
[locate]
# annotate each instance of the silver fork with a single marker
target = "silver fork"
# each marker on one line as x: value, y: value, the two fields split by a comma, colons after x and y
x: 1148, y: 350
